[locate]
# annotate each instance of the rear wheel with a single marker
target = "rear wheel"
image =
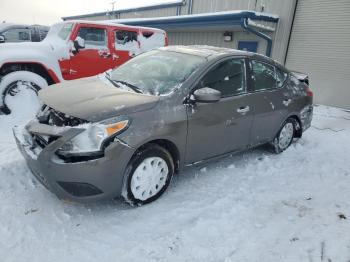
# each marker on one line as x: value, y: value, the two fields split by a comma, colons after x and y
x: 148, y: 175
x: 285, y: 136
x: 19, y: 91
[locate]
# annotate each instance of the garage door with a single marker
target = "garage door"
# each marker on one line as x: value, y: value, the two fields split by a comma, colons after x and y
x: 320, y: 46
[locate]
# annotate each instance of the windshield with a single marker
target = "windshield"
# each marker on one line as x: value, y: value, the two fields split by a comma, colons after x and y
x: 157, y: 72
x: 62, y: 30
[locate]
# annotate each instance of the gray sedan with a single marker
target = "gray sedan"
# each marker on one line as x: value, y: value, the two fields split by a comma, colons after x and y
x: 126, y: 135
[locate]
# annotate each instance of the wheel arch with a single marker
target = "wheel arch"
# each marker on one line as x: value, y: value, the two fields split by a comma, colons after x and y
x: 33, y: 67
x: 298, y: 129
x: 167, y: 145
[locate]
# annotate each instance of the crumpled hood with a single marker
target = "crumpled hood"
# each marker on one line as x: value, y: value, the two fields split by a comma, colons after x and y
x: 93, y: 100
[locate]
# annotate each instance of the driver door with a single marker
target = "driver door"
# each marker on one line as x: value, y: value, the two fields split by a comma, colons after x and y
x: 95, y: 58
x: 224, y: 126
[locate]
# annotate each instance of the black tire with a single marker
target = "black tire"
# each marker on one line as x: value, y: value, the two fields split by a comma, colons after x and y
x: 150, y: 151
x: 277, y: 147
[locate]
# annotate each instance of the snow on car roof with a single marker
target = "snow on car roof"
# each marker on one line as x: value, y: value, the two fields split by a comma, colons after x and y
x: 111, y: 23
x: 204, y: 50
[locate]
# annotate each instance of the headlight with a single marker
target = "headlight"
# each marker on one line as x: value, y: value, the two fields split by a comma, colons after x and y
x: 92, y: 138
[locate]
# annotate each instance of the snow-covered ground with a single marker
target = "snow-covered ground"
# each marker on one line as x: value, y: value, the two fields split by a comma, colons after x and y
x: 253, y: 206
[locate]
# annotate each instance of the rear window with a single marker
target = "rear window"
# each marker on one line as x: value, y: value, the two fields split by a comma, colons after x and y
x: 122, y: 37
x: 264, y: 76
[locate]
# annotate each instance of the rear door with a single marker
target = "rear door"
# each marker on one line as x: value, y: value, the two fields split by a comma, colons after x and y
x: 223, y: 126
x: 96, y: 57
x: 269, y: 99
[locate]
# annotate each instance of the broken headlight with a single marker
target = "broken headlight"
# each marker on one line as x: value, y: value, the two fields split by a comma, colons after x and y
x: 94, y: 137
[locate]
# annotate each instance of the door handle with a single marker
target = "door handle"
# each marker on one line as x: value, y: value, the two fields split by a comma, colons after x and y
x: 286, y: 102
x: 243, y: 110
x: 104, y: 53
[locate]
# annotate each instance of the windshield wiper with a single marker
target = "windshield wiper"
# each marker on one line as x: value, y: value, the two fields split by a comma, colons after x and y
x: 115, y: 83
x: 134, y: 88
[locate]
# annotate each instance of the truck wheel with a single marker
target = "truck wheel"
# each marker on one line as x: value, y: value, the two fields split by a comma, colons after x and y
x: 148, y: 175
x: 16, y: 83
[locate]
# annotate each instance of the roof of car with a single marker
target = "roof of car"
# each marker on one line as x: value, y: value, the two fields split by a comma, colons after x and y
x: 207, y: 51
x: 6, y: 26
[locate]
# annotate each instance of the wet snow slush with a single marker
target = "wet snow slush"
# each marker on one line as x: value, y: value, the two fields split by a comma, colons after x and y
x: 252, y: 206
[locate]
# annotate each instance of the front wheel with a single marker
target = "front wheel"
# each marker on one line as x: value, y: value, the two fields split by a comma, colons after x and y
x: 284, y: 137
x: 148, y: 175
x: 19, y: 91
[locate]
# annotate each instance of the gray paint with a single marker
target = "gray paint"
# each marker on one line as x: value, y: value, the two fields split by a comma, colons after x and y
x: 199, y: 131
x: 97, y: 102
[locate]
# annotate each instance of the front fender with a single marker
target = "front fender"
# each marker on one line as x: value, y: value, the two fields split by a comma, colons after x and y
x: 33, y: 53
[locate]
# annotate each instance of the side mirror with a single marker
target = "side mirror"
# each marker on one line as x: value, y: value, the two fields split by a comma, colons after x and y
x: 206, y: 95
x: 2, y: 39
x: 79, y: 43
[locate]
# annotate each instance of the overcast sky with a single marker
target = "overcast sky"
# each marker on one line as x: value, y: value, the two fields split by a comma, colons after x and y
x: 50, y: 11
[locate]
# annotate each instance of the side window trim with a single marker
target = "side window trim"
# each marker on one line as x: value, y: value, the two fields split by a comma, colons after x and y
x: 252, y: 85
x: 94, y: 46
x: 209, y: 68
x: 135, y: 33
x: 285, y: 79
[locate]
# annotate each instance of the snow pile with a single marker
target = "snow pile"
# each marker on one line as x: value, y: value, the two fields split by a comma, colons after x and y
x: 253, y: 206
x: 22, y: 86
x: 24, y: 104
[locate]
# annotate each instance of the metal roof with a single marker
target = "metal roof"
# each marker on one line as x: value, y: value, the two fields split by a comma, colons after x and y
x: 198, y: 20
x: 174, y: 3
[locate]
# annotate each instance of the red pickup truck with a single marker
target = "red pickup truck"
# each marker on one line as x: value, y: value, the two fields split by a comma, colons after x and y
x: 71, y: 50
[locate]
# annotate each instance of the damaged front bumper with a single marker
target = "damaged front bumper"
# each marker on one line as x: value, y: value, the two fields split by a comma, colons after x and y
x: 84, y: 181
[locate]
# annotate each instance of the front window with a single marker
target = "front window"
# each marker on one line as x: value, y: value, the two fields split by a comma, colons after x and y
x: 158, y: 72
x: 94, y: 37
x: 228, y: 77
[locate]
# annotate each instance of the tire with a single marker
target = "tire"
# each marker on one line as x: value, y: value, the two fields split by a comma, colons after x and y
x: 284, y: 137
x: 139, y: 184
x: 9, y: 83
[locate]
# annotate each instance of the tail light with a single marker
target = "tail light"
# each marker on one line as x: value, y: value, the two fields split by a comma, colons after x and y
x: 309, y: 93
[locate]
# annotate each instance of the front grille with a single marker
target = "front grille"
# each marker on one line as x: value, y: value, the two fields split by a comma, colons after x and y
x: 52, y: 117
